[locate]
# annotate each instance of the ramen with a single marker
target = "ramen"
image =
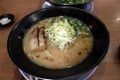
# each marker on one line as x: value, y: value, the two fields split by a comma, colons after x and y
x: 58, y: 42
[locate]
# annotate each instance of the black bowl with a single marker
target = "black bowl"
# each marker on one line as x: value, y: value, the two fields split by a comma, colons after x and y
x: 15, y: 43
x: 79, y: 5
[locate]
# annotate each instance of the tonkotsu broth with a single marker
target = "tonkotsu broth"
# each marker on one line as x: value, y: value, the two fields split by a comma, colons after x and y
x: 53, y: 57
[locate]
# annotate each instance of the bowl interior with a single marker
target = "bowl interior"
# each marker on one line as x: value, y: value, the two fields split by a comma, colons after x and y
x: 15, y: 42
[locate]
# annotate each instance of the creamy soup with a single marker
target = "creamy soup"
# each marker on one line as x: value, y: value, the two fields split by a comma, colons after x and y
x: 58, y: 42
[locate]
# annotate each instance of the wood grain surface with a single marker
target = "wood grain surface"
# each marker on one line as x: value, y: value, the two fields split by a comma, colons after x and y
x: 107, y: 10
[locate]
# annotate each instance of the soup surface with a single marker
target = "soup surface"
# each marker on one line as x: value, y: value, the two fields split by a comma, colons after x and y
x: 58, y: 42
x: 69, y: 1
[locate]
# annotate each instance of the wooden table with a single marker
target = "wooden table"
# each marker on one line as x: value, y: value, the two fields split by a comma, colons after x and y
x: 107, y: 10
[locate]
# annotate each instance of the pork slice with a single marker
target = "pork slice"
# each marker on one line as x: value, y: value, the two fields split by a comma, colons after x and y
x: 41, y: 39
x: 34, y: 39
